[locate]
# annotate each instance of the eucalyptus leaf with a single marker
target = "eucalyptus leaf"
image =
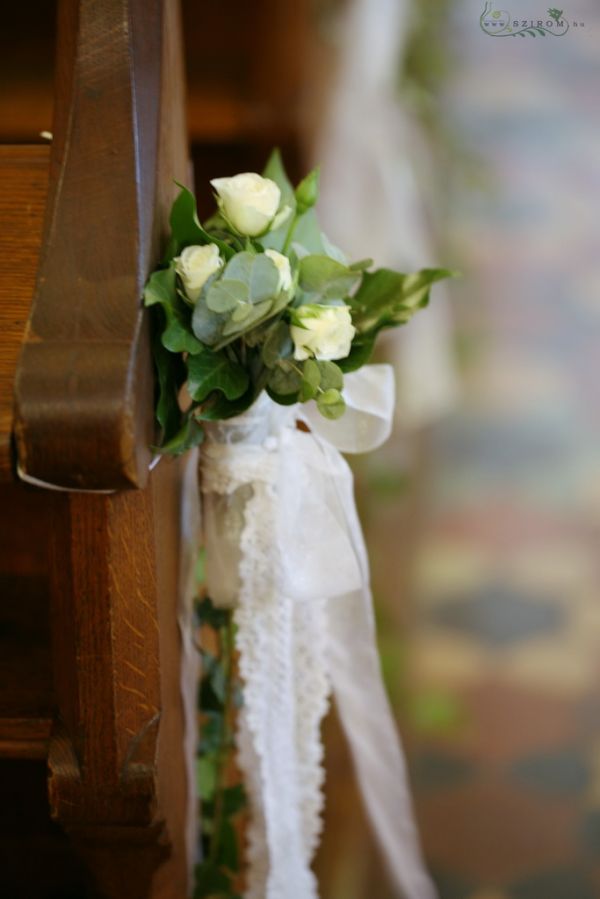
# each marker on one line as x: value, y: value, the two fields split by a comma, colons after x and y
x: 257, y: 272
x: 235, y: 329
x: 285, y: 378
x: 330, y: 374
x: 278, y: 343
x: 226, y: 293
x: 331, y: 404
x: 205, y: 777
x: 206, y: 324
x: 311, y: 379
x: 282, y: 399
x: 210, y: 371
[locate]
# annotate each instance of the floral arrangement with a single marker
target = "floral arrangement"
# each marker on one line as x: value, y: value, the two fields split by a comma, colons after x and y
x: 258, y: 299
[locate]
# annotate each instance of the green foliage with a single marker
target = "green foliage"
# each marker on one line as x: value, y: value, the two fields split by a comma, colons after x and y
x: 387, y: 298
x: 323, y: 279
x: 186, y: 229
x: 219, y: 695
x: 210, y: 371
x: 307, y: 192
x: 235, y: 340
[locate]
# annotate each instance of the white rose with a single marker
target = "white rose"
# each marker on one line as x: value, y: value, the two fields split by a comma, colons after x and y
x: 249, y: 201
x: 324, y: 332
x: 195, y: 266
x: 283, y: 267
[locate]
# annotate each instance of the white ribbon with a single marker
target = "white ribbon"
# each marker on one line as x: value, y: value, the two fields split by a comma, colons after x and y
x: 284, y: 546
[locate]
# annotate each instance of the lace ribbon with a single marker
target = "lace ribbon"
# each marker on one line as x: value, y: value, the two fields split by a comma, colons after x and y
x: 285, y: 549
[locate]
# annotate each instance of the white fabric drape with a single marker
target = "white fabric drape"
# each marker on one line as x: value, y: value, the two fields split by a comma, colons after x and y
x: 285, y: 549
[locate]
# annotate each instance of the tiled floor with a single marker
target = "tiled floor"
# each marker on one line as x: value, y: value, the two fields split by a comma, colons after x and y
x: 507, y: 581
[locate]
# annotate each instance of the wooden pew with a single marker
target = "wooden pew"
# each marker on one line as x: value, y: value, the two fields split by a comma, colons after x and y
x: 92, y: 773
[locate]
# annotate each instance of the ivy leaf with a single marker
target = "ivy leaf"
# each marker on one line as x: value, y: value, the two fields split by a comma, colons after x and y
x: 189, y: 436
x: 208, y: 614
x: 218, y: 407
x: 210, y: 881
x: 331, y: 404
x: 161, y: 290
x: 362, y: 349
x: 170, y: 372
x: 387, y: 298
x: 227, y: 855
x: 234, y: 800
x: 282, y: 399
x: 323, y: 278
x: 186, y: 229
x: 210, y: 371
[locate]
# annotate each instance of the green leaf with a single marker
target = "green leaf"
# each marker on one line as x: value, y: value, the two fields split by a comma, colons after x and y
x: 257, y: 272
x: 234, y: 800
x: 205, y: 777
x: 211, y: 732
x: 161, y: 290
x: 210, y: 371
x: 227, y: 855
x: 330, y: 374
x: 207, y: 325
x: 218, y: 407
x: 186, y: 229
x: 225, y: 294
x: 387, y: 298
x: 284, y: 378
x: 210, y: 881
x: 234, y: 329
x: 323, y: 279
x: 307, y: 192
x: 278, y: 343
x: 208, y: 614
x: 282, y: 399
x: 170, y: 372
x: 331, y: 404
x: 275, y: 170
x: 311, y: 379
x: 362, y: 349
x: 189, y: 436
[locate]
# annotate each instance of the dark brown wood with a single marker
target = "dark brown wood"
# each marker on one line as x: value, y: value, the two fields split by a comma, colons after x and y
x: 23, y: 188
x: 83, y: 390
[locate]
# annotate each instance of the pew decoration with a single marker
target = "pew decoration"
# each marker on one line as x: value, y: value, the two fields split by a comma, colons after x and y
x: 262, y: 334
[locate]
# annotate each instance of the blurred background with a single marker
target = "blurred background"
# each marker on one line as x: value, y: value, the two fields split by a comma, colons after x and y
x: 441, y: 142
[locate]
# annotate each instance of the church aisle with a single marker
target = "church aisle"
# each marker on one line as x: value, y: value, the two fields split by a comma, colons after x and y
x: 505, y: 650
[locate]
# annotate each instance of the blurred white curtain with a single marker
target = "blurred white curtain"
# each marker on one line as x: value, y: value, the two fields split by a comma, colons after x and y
x: 371, y: 202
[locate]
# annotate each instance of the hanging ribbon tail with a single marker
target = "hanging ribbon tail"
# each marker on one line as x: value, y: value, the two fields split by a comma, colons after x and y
x: 305, y: 625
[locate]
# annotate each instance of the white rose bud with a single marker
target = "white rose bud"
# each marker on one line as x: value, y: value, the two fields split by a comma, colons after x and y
x: 195, y: 266
x: 324, y: 332
x: 248, y: 201
x: 283, y: 267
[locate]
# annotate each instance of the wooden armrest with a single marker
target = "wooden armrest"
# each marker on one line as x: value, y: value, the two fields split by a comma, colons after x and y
x: 83, y: 391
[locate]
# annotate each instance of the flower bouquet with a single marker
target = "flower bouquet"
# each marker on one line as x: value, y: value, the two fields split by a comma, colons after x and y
x: 266, y: 324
